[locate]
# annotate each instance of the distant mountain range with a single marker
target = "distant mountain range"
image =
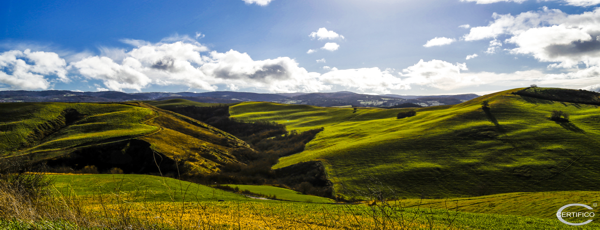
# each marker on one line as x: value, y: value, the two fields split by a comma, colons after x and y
x: 343, y: 98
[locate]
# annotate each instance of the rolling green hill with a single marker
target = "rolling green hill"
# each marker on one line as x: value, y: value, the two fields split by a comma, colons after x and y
x: 448, y: 151
x: 125, y: 135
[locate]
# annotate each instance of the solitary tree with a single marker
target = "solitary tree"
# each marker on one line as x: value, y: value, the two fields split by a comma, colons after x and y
x: 406, y: 114
x: 558, y: 115
x: 485, y: 105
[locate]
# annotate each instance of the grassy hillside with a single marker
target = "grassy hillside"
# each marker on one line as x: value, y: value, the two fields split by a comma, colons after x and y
x: 448, y: 151
x: 42, y: 126
x: 113, y: 135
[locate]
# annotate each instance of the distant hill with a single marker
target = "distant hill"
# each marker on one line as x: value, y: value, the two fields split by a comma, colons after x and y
x: 451, y: 150
x: 343, y: 98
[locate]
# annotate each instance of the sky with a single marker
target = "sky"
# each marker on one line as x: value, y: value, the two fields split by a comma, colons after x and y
x: 426, y: 47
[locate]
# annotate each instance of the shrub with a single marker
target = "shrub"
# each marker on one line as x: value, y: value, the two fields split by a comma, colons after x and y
x: 406, y: 114
x: 558, y: 115
x: 115, y: 171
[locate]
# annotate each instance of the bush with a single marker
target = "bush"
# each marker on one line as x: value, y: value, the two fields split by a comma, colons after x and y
x: 115, y: 171
x: 558, y: 115
x: 406, y: 114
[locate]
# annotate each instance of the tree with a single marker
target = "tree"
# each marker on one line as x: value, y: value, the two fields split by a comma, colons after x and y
x: 406, y: 114
x: 485, y: 105
x: 558, y: 115
x: 533, y: 86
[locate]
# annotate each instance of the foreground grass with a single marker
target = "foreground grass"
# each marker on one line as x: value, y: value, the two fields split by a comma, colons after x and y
x: 447, y: 151
x: 125, y: 197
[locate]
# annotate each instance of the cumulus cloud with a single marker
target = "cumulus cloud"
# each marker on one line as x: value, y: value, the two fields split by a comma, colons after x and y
x: 465, y: 26
x: 331, y: 46
x: 439, y: 41
x: 471, y: 56
x: 326, y: 67
x: 30, y: 70
x: 439, y: 74
x: 311, y: 51
x: 548, y: 35
x: 258, y: 2
x: 322, y: 60
x: 281, y: 74
x: 366, y: 80
x: 323, y: 34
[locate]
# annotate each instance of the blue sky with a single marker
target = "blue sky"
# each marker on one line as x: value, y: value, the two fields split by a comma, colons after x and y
x: 375, y: 47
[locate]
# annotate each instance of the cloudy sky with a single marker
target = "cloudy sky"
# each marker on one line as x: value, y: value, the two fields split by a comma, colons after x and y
x: 421, y: 47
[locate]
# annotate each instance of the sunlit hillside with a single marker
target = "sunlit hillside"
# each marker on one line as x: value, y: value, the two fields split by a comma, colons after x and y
x: 448, y: 151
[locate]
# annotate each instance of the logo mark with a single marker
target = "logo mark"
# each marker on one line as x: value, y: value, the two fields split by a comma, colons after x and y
x: 560, y: 214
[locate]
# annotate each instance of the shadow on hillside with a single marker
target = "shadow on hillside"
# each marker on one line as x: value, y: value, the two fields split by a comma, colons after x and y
x: 534, y: 100
x: 493, y: 119
x: 570, y: 126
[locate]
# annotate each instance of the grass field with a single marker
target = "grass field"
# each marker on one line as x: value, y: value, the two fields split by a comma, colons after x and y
x: 447, y: 151
x: 282, y: 193
x: 198, y: 206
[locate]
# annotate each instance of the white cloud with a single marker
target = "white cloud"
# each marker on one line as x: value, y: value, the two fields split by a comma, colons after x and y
x: 200, y: 35
x: 494, y: 46
x: 331, y: 46
x: 548, y: 35
x: 258, y: 2
x: 29, y: 70
x: 471, y: 56
x: 439, y: 74
x: 439, y: 41
x: 583, y: 2
x: 492, y: 1
x: 326, y: 67
x: 322, y: 60
x: 465, y: 26
x: 311, y: 51
x: 323, y: 34
x: 366, y: 80
x: 276, y: 75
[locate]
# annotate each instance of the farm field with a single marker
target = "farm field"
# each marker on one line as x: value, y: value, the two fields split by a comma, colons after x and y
x: 182, y: 205
x: 447, y: 151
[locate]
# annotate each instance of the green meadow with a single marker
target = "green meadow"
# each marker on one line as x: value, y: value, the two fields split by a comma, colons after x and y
x: 151, y: 195
x: 447, y: 151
